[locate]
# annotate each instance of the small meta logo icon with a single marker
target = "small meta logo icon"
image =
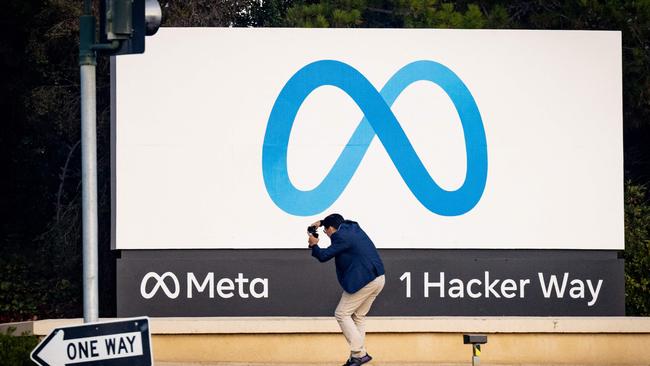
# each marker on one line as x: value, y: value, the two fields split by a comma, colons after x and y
x: 380, y: 121
x: 160, y: 284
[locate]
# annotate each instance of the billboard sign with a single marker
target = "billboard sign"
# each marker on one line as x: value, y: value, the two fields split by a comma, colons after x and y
x: 431, y: 139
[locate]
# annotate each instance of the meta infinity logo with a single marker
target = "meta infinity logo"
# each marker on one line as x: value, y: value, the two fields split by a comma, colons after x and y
x: 160, y: 284
x: 378, y: 120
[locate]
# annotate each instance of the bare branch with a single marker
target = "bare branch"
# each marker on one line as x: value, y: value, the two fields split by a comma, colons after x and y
x: 64, y: 172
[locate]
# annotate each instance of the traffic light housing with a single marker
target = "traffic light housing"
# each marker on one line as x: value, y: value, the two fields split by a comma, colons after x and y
x: 128, y: 22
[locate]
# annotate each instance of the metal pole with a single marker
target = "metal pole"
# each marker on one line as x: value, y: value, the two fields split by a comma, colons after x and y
x: 87, y: 62
x: 89, y: 191
x: 476, y: 352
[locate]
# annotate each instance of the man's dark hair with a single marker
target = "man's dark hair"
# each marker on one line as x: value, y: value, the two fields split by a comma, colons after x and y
x: 333, y: 220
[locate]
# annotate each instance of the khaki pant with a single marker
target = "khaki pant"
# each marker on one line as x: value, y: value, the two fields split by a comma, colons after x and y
x: 351, y: 314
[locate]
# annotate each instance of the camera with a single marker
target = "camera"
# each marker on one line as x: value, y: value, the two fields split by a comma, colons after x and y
x: 312, y: 230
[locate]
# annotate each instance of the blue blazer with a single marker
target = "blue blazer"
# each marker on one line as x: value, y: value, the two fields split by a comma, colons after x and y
x: 357, y: 260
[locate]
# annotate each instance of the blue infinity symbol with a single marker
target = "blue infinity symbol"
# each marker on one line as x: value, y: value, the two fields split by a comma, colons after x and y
x: 378, y: 120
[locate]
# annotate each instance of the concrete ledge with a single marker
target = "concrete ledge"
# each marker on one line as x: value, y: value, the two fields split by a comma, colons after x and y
x: 406, y: 348
x: 391, y: 340
x: 302, y: 325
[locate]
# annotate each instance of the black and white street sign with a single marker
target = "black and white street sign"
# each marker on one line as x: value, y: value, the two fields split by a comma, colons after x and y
x: 115, y: 343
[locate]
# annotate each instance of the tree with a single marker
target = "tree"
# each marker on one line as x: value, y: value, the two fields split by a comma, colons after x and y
x: 391, y: 13
x: 637, y: 250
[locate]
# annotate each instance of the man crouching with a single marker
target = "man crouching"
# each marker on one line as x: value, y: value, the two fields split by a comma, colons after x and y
x: 360, y: 272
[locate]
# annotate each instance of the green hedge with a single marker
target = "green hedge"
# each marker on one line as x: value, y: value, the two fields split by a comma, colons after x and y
x: 15, y: 350
x: 637, y: 250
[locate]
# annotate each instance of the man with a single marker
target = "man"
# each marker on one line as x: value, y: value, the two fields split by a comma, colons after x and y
x: 360, y: 272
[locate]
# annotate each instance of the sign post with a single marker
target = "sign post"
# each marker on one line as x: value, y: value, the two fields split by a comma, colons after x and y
x: 122, y: 32
x: 123, y: 342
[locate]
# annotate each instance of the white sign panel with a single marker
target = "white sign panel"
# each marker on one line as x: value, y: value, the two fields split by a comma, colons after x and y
x: 240, y: 138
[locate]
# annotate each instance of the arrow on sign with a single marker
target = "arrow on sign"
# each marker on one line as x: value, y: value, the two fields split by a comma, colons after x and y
x: 98, y: 343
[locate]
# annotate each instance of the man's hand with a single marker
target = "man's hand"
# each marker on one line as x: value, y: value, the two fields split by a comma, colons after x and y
x: 316, y: 224
x: 312, y: 240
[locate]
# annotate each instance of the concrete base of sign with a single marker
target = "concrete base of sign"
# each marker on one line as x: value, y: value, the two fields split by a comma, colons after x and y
x: 392, y: 340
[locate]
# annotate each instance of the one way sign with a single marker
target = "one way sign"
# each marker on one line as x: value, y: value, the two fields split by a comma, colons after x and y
x: 115, y: 343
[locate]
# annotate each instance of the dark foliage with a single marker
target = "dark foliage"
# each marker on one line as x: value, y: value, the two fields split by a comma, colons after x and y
x: 637, y: 250
x: 15, y: 350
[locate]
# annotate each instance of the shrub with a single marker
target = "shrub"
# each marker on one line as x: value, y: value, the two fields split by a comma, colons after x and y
x: 15, y: 350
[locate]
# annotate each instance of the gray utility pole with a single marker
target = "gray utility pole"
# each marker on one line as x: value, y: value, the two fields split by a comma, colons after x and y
x: 124, y: 24
x: 87, y: 64
x: 89, y: 189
